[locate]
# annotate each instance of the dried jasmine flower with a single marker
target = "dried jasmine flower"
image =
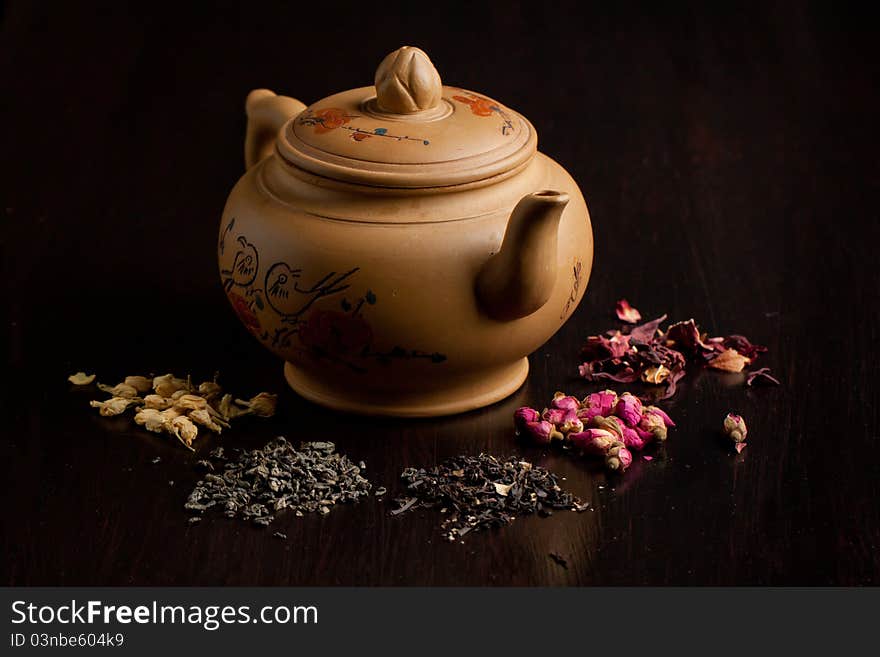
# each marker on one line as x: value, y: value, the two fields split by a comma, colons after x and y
x: 262, y: 405
x: 729, y: 360
x: 203, y: 417
x: 184, y: 429
x: 151, y: 420
x: 173, y: 407
x: 480, y: 492
x: 113, y: 406
x: 626, y: 313
x: 188, y: 402
x: 167, y: 384
x: 735, y: 429
x: 81, y: 379
x: 158, y: 402
x: 140, y: 383
x: 119, y: 390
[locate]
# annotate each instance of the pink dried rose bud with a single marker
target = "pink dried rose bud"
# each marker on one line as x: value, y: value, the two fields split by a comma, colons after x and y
x: 565, y: 402
x: 540, y: 433
x: 613, y: 424
x: 525, y: 414
x: 598, y: 403
x: 653, y: 424
x: 735, y: 428
x: 571, y: 423
x: 632, y: 439
x: 594, y: 441
x: 659, y: 411
x: 629, y: 409
x: 626, y: 313
x: 618, y: 459
x: 554, y: 415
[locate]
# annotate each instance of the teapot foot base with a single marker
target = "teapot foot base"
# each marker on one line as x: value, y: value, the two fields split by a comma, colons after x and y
x: 465, y: 395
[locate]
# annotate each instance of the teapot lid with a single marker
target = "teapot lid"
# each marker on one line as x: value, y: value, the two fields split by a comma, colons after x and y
x: 408, y: 131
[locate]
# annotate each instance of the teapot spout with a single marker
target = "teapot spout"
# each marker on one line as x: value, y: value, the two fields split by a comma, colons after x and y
x: 519, y: 279
x: 266, y: 113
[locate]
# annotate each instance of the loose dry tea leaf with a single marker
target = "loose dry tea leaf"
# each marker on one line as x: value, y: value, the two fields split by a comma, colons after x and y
x: 81, y: 379
x: 626, y: 313
x: 481, y: 492
x: 262, y: 482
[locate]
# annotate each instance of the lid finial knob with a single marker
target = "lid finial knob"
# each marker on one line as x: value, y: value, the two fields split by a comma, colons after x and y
x: 407, y: 82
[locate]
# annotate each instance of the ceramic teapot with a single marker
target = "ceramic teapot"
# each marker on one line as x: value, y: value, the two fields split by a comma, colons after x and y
x: 403, y: 247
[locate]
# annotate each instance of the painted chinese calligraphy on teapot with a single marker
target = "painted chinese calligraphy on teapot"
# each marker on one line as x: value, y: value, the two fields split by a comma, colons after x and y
x: 402, y: 247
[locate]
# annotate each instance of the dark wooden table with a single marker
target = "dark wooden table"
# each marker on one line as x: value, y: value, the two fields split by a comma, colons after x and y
x: 730, y: 164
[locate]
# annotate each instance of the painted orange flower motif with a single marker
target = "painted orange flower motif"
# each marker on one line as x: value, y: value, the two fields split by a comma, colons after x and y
x: 329, y: 119
x: 245, y: 314
x: 479, y: 106
x: 336, y: 333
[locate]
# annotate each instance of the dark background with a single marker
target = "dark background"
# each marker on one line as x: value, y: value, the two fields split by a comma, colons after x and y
x: 729, y: 160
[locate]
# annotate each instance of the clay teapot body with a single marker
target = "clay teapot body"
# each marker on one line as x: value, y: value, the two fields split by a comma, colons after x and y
x: 402, y: 247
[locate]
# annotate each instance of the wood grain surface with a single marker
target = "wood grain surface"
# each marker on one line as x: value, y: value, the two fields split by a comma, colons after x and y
x: 729, y: 160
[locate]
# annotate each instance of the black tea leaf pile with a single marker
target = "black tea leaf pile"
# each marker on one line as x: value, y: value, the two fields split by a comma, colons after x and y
x: 479, y: 492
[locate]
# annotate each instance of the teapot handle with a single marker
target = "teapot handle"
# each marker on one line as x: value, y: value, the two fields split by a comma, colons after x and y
x: 266, y: 113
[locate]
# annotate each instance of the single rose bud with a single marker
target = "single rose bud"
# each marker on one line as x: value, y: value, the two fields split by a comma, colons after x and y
x: 618, y: 459
x: 735, y: 428
x: 659, y: 411
x: 632, y: 439
x: 541, y: 432
x: 554, y: 415
x: 523, y: 415
x: 598, y: 403
x: 594, y: 441
x: 653, y: 424
x: 613, y: 424
x: 565, y: 402
x: 571, y: 423
x: 629, y: 409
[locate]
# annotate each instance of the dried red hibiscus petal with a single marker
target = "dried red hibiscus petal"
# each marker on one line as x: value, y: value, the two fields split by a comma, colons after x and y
x: 646, y: 352
x: 626, y: 313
